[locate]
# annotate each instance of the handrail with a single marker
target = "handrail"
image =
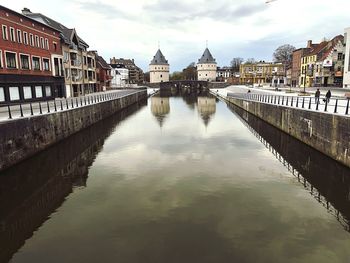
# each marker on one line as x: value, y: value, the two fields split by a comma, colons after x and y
x: 331, y: 105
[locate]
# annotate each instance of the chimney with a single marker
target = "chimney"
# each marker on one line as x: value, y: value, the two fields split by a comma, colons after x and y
x: 26, y: 11
x: 309, y: 43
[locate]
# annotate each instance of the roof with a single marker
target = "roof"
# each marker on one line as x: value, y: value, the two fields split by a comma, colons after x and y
x: 159, y: 59
x: 206, y: 57
x: 102, y: 62
x: 66, y: 33
x: 331, y: 45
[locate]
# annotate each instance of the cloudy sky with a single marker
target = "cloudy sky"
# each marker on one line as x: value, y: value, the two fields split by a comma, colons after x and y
x: 233, y: 28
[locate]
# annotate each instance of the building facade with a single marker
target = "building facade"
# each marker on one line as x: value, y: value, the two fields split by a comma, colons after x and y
x: 30, y: 59
x: 227, y: 74
x: 206, y: 67
x: 159, y: 68
x: 79, y: 63
x: 103, y: 74
x: 346, y: 79
x: 262, y: 73
x: 136, y: 75
x: 296, y: 65
x: 120, y: 76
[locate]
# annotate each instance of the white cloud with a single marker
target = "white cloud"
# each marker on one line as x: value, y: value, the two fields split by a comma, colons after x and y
x: 132, y: 29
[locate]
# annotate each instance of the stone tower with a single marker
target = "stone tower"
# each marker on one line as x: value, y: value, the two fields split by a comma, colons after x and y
x: 206, y: 67
x: 159, y: 68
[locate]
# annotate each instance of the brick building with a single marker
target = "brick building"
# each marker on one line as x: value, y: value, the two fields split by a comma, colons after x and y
x: 30, y: 59
x: 103, y: 73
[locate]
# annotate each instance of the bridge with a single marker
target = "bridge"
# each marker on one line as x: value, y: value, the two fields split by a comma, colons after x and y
x: 189, y: 84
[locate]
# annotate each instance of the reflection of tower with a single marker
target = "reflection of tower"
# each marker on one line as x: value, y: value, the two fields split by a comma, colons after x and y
x: 160, y: 107
x: 206, y: 108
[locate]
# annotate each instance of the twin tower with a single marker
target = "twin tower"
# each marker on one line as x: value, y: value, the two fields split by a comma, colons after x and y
x: 159, y: 68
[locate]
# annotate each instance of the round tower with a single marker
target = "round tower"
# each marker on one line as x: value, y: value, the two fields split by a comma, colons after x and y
x: 206, y: 67
x: 159, y: 68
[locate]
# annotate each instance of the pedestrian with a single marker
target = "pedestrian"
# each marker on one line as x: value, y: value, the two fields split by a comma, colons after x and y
x: 328, y: 96
x: 317, y: 96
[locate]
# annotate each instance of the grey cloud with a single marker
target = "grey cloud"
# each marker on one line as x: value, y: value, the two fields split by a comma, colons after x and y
x: 100, y: 8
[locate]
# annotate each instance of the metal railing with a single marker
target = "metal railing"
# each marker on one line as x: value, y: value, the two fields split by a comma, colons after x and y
x: 8, y: 112
x: 332, y: 105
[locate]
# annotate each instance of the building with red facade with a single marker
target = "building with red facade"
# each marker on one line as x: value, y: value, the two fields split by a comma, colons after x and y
x: 103, y: 72
x: 30, y: 59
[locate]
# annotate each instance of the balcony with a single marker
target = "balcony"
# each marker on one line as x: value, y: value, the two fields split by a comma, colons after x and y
x: 75, y: 63
x: 73, y: 48
x: 76, y: 78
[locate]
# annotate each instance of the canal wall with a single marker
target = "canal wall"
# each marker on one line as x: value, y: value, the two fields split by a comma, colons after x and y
x: 327, y: 133
x: 22, y: 138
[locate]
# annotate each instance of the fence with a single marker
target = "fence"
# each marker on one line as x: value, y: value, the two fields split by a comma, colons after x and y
x: 332, y: 105
x: 46, y: 107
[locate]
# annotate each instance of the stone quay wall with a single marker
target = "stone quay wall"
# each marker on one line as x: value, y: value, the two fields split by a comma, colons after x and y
x: 327, y: 133
x: 22, y: 138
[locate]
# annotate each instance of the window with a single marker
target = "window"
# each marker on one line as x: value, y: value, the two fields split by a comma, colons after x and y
x: 11, y: 61
x: 46, y: 64
x: 24, y: 61
x: 14, y: 93
x: 65, y: 56
x: 37, y: 44
x: 38, y: 92
x: 31, y: 40
x: 19, y: 36
x: 36, y: 63
x: 0, y: 59
x: 4, y: 32
x: 42, y: 43
x: 2, y: 94
x: 85, y: 73
x: 84, y: 60
x: 48, y: 91
x: 25, y: 38
x: 54, y: 46
x: 340, y: 56
x: 27, y: 92
x: 12, y: 34
x: 47, y: 44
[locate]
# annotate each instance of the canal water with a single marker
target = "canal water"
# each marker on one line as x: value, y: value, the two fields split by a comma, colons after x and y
x: 183, y: 178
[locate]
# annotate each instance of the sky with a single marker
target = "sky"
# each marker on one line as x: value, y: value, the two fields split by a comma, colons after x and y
x: 232, y: 28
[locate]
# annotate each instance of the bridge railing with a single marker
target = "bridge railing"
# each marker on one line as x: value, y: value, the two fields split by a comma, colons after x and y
x: 332, y: 105
x: 8, y: 112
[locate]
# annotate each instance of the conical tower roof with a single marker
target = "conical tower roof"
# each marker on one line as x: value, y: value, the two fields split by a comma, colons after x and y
x: 159, y: 59
x: 207, y: 57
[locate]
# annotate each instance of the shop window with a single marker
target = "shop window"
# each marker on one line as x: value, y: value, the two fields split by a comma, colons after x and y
x: 24, y: 61
x: 27, y: 92
x: 48, y: 91
x: 2, y: 94
x: 38, y: 92
x: 11, y: 61
x: 14, y: 93
x: 36, y: 63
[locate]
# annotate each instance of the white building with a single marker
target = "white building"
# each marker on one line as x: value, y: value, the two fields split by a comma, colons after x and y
x: 120, y: 76
x: 206, y: 67
x: 159, y: 68
x: 346, y: 76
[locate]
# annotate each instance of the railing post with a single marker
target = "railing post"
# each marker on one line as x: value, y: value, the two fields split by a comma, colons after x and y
x: 336, y: 106
x: 291, y: 104
x: 48, y: 106
x: 9, y: 111
x: 318, y: 103
x: 21, y: 110
x: 67, y: 104
x: 31, y: 109
x: 61, y: 105
x: 287, y: 101
x: 81, y: 102
x: 54, y: 103
x: 297, y: 105
x: 72, y: 103
x: 274, y: 99
x: 40, y: 108
x: 303, y: 104
x: 76, y: 102
x: 310, y: 103
x: 282, y: 100
x: 325, y: 105
x: 347, y: 108
x: 279, y: 99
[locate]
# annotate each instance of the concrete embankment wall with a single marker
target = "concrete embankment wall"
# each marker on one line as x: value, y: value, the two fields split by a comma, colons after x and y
x: 22, y: 138
x: 327, y: 133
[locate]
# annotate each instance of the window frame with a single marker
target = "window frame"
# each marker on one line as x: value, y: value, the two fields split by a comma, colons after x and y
x: 25, y: 38
x: 3, y: 94
x: 42, y: 43
x: 31, y: 40
x: 12, y: 34
x: 31, y: 92
x: 5, y: 35
x: 19, y: 94
x: 20, y: 61
x: 16, y: 59
x: 46, y: 88
x: 1, y: 61
x: 37, y: 41
x: 19, y: 36
x: 47, y: 45
x: 43, y: 68
x: 40, y: 66
x: 42, y: 93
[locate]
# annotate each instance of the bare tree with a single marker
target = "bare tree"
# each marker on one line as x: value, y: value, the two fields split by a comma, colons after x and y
x: 283, y: 54
x: 235, y: 63
x: 250, y: 61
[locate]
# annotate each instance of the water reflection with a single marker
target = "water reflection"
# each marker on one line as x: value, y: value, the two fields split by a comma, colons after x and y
x: 160, y: 108
x: 206, y: 108
x: 31, y: 191
x: 326, y: 180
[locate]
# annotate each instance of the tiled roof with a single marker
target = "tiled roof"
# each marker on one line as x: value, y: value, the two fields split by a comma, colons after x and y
x: 159, y: 59
x: 206, y: 57
x: 102, y: 62
x: 331, y: 46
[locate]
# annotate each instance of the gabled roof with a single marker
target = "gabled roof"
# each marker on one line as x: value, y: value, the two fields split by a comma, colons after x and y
x: 331, y: 45
x: 66, y: 33
x: 207, y: 58
x: 102, y: 62
x: 159, y: 59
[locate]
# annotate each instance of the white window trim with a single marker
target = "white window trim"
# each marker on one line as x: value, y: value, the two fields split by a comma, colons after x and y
x: 37, y: 41
x: 25, y: 38
x: 42, y: 43
x: 1, y: 61
x: 40, y: 66
x: 7, y: 51
x: 5, y: 35
x: 31, y: 39
x: 49, y: 63
x: 47, y: 45
x: 20, y: 61
x: 19, y: 34
x: 14, y: 34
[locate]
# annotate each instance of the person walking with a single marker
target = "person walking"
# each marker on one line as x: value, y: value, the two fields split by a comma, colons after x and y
x: 328, y: 96
x: 317, y: 96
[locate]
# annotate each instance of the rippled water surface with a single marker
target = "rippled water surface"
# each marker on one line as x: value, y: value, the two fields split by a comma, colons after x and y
x: 181, y: 179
